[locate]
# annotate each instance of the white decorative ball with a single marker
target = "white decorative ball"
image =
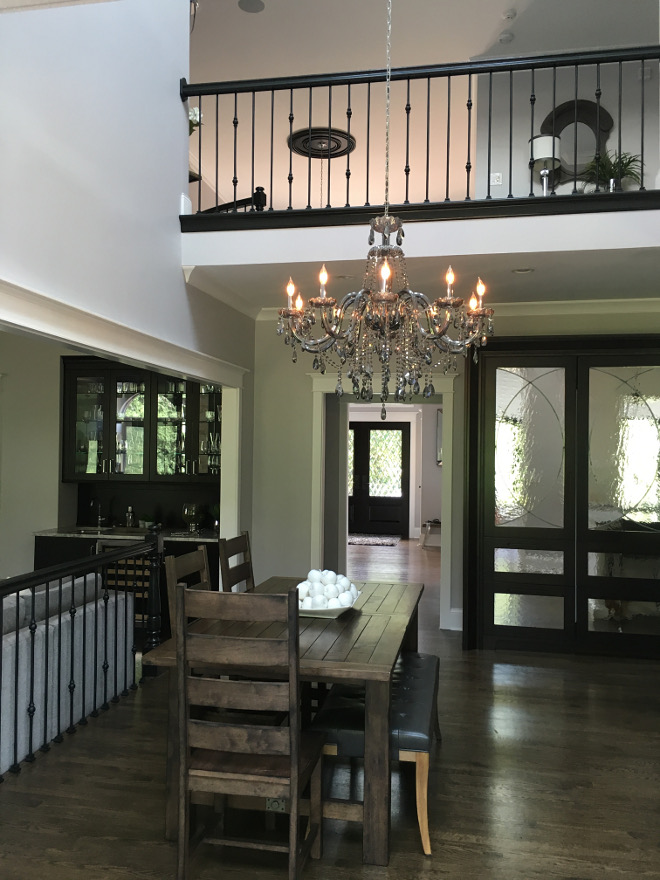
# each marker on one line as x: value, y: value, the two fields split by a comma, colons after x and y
x: 343, y: 583
x: 328, y: 577
x: 330, y: 591
x: 316, y: 588
x: 319, y: 602
x: 334, y: 603
x: 354, y: 591
x: 306, y: 603
x: 303, y: 589
x: 314, y: 575
x: 345, y: 599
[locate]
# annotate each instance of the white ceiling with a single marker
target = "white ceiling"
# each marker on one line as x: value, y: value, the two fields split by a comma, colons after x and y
x: 320, y: 36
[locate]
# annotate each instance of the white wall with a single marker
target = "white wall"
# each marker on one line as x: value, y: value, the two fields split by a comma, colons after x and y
x: 30, y: 464
x: 94, y: 160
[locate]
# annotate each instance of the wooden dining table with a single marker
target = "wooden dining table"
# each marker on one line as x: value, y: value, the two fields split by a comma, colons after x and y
x: 360, y: 646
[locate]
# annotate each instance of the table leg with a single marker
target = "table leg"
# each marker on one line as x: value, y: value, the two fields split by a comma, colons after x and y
x: 171, y: 772
x: 410, y: 640
x: 377, y: 774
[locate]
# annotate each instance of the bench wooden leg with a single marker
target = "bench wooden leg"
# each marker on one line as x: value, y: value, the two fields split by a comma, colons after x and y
x: 421, y: 761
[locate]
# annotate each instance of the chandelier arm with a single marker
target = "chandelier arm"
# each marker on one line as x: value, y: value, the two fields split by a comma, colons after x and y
x: 434, y: 331
x: 333, y: 328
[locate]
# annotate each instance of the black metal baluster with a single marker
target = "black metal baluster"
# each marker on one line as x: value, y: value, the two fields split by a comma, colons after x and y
x: 406, y: 169
x: 217, y: 151
x: 235, y: 124
x: 31, y: 709
x: 641, y: 133
x: 447, y: 199
x: 95, y: 710
x: 532, y: 102
x: 106, y: 665
x: 83, y: 676
x: 45, y: 746
x: 124, y: 658
x: 428, y: 138
x: 199, y: 156
x: 72, y: 660
x: 272, y: 145
x: 349, y: 114
x: 328, y: 201
x: 510, y: 195
x: 553, y: 176
x: 16, y: 767
x: 597, y: 155
x: 490, y: 132
x: 291, y: 118
x: 575, y: 129
x: 309, y: 152
x: 115, y: 629
x: 58, y: 735
x: 254, y: 119
x: 468, y: 164
x: 618, y: 185
x: 366, y: 204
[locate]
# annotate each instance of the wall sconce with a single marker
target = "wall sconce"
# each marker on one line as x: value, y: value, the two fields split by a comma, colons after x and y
x: 544, y: 156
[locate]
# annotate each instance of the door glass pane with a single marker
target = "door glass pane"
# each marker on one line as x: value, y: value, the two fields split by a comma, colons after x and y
x: 129, y: 428
x: 89, y: 424
x: 624, y: 448
x: 512, y: 609
x: 624, y: 616
x: 351, y: 459
x: 529, y: 447
x: 514, y: 561
x: 385, y: 464
x: 625, y: 565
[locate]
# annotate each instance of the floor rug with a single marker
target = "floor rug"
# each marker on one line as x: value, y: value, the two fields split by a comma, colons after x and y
x: 375, y: 540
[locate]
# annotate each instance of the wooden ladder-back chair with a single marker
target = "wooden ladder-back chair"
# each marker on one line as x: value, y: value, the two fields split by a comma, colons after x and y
x: 191, y: 569
x: 239, y: 572
x: 243, y: 756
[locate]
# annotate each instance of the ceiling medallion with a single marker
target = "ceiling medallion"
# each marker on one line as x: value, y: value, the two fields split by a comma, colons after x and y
x: 321, y: 143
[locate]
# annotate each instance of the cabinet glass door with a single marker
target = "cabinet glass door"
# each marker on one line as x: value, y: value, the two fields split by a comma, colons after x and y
x: 209, y: 429
x: 129, y: 400
x: 89, y: 439
x: 171, y: 413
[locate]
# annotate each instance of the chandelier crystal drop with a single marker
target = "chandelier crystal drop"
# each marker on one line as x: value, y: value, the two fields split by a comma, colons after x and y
x: 385, y: 333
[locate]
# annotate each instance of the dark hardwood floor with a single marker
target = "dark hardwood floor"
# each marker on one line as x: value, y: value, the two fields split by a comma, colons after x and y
x: 549, y: 768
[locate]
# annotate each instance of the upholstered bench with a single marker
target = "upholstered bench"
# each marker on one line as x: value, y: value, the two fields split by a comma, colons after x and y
x: 413, y: 723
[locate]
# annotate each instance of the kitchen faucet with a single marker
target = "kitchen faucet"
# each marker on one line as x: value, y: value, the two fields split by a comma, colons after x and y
x: 99, y: 517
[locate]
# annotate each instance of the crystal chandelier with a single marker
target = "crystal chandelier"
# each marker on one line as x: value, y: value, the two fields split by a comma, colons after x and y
x: 386, y: 327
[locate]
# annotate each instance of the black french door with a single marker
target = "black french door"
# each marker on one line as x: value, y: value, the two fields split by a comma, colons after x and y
x: 379, y: 478
x: 564, y: 502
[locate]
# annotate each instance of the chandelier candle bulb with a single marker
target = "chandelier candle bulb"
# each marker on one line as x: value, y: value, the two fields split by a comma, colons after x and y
x: 290, y: 289
x: 299, y: 303
x: 323, y: 278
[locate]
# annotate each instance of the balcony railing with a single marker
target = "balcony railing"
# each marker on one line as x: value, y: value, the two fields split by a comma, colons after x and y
x: 311, y: 150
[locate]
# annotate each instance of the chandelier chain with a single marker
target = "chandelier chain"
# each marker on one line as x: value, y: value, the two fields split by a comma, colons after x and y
x: 388, y: 76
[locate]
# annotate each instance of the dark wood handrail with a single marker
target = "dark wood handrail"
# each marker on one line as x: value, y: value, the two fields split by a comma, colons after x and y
x: 491, y: 65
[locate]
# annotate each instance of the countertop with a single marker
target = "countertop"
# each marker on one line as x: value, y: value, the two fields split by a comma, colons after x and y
x: 121, y: 533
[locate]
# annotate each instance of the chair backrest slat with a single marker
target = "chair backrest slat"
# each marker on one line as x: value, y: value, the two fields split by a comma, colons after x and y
x: 243, y: 739
x: 232, y: 606
x: 241, y: 695
x: 190, y: 568
x: 228, y: 651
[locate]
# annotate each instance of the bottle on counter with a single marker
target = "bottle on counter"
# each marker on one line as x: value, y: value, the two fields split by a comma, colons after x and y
x: 130, y: 518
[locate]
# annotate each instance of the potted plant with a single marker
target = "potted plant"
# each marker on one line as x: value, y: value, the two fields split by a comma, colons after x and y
x: 611, y: 169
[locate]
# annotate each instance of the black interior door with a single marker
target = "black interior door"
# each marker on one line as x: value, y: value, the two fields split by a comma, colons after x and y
x: 379, y: 478
x: 565, y: 502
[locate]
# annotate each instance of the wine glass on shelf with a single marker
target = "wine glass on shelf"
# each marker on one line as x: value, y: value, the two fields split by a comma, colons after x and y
x: 190, y: 515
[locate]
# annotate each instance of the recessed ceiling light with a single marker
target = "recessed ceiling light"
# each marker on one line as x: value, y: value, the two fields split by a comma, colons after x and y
x: 524, y: 270
x: 505, y: 37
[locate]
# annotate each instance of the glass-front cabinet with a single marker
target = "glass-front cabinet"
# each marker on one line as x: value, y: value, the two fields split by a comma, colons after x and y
x: 122, y: 423
x: 106, y: 413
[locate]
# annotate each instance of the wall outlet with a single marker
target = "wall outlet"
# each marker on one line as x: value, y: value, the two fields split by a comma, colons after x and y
x: 496, y: 178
